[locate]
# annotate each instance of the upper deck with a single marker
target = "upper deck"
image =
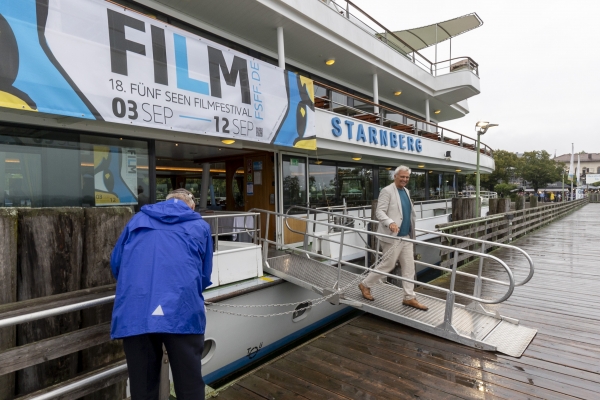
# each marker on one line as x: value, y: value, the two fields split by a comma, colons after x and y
x: 318, y: 30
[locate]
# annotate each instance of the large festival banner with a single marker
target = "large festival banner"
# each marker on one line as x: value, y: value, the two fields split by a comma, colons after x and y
x: 95, y: 60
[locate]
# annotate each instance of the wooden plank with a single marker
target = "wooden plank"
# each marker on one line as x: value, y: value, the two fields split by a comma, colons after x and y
x: 49, y: 349
x: 499, y: 382
x: 8, y: 287
x: 267, y: 389
x: 237, y: 392
x: 373, y: 380
x: 415, y: 371
x: 298, y: 380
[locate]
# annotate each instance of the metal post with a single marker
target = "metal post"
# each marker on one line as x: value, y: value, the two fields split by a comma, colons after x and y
x: 265, y: 243
x: 280, y: 47
x: 436, y: 45
x: 217, y: 234
x: 375, y: 94
x: 477, y: 177
x: 337, y: 284
x: 447, y: 325
x: 204, y: 185
x: 478, y: 282
x: 427, y: 111
x: 347, y: 10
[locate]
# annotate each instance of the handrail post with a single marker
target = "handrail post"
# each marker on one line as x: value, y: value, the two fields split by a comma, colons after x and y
x: 217, y: 234
x: 478, y: 282
x: 339, y: 277
x: 447, y: 324
x: 265, y: 241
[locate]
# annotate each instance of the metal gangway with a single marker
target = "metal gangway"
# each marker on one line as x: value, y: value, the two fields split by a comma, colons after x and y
x: 332, y: 277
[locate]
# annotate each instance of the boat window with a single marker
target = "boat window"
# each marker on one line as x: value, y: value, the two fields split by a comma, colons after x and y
x: 322, y: 183
x: 294, y: 181
x: 43, y: 168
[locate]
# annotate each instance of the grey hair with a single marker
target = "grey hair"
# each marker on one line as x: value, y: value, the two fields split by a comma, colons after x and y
x: 184, y: 195
x: 401, y: 168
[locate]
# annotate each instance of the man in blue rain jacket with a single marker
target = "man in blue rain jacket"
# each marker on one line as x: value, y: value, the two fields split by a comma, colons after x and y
x: 162, y: 263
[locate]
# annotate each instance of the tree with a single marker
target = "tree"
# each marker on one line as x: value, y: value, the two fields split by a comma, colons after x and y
x: 504, y: 189
x: 539, y: 169
x: 506, y: 164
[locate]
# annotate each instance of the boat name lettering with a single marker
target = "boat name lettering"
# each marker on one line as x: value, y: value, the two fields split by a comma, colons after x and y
x: 371, y: 135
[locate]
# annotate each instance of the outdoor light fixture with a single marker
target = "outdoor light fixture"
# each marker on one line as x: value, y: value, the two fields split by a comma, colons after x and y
x: 357, y: 158
x: 481, y: 128
x: 228, y: 141
x: 448, y: 154
x: 176, y: 144
x: 458, y: 170
x: 331, y: 61
x: 319, y: 162
x: 437, y: 111
x: 398, y: 93
x: 421, y: 166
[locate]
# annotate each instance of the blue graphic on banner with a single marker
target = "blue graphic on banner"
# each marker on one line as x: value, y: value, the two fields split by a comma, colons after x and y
x: 183, y: 75
x: 34, y: 72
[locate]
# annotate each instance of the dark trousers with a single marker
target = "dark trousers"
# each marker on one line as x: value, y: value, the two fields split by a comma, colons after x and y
x: 144, y: 357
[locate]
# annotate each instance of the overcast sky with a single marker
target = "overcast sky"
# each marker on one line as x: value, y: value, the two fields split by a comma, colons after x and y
x: 539, y: 65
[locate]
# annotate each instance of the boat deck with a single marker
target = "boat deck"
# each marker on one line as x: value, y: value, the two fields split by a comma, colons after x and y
x: 370, y: 357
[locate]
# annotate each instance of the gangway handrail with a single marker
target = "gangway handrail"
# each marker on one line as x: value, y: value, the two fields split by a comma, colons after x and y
x: 484, y: 243
x: 454, y: 272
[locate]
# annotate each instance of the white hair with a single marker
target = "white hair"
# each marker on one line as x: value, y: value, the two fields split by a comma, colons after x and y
x: 184, y: 195
x: 401, y: 168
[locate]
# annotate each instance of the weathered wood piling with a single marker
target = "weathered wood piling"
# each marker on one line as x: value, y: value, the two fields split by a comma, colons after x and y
x: 8, y: 288
x: 47, y: 252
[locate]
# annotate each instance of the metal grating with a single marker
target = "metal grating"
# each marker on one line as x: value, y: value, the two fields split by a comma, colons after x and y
x: 510, y: 338
x: 507, y: 338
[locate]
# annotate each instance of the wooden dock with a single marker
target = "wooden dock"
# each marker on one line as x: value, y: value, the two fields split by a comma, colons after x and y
x: 373, y: 358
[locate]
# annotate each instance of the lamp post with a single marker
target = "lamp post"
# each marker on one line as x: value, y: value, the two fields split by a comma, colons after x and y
x: 481, y: 128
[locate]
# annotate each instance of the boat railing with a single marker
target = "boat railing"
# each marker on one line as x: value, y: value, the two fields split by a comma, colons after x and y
x: 393, y: 119
x: 367, y: 23
x: 485, y: 245
x: 229, y: 224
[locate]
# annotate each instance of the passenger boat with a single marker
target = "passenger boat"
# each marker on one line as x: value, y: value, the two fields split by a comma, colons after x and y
x: 278, y: 105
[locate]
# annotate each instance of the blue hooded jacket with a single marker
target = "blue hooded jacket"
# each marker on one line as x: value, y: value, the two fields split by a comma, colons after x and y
x: 162, y: 263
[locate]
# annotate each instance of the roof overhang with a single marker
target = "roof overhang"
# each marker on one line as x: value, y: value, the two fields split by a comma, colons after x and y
x: 425, y: 36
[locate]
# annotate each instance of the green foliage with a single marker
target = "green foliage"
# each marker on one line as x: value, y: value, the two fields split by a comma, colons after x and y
x: 504, y: 189
x: 507, y: 165
x: 596, y: 184
x: 539, y: 169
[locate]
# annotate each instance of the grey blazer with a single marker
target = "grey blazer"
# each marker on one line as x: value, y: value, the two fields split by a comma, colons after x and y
x: 389, y: 210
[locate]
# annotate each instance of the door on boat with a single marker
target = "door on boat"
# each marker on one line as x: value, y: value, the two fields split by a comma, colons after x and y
x: 239, y: 179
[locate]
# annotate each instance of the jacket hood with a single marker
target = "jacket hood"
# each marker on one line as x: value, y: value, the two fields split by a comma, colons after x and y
x: 171, y: 211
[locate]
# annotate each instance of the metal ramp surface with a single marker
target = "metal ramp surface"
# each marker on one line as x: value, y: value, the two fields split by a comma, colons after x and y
x: 474, y: 328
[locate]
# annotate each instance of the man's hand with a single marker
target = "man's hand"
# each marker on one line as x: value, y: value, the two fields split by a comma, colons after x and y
x: 394, y: 227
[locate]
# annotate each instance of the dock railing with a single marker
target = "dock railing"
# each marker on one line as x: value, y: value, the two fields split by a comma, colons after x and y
x: 500, y: 229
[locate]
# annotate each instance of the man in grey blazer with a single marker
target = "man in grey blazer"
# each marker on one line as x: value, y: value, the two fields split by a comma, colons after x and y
x: 396, y: 217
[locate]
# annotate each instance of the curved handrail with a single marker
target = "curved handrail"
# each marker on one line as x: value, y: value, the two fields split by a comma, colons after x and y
x: 508, y: 246
x: 510, y: 283
x: 487, y: 242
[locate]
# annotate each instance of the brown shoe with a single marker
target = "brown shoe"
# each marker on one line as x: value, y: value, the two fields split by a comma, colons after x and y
x: 414, y: 303
x: 366, y: 292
